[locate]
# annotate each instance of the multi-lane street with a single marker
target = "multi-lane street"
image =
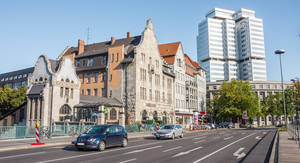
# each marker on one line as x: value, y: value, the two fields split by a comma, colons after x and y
x: 229, y: 145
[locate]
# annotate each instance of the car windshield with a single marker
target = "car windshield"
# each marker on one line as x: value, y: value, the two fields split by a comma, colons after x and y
x: 167, y: 127
x: 96, y: 130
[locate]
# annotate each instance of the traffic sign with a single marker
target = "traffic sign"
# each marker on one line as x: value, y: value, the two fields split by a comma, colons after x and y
x: 245, y: 116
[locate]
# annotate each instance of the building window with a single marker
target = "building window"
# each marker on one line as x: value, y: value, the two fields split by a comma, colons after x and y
x: 82, y: 91
x: 110, y: 77
x: 104, y: 59
x: 88, y: 92
x: 61, y: 91
x: 95, y: 92
x: 96, y: 77
x: 65, y: 109
x: 215, y: 87
x: 66, y: 92
x: 117, y: 57
x: 253, y: 86
x: 72, y: 92
x: 261, y: 86
x: 157, y: 63
x: 89, y: 77
x: 112, y: 58
x: 110, y: 93
x: 103, y: 92
x: 103, y: 76
x: 77, y: 63
x: 91, y: 62
x: 150, y: 94
x: 113, y: 114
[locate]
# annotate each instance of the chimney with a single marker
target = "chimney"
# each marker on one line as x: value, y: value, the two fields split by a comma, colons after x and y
x: 112, y: 40
x: 128, y: 34
x: 80, y: 47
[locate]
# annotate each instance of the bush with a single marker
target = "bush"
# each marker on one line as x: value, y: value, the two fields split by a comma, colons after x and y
x: 283, y: 128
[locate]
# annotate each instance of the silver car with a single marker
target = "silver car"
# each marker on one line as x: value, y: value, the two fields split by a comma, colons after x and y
x: 169, y: 131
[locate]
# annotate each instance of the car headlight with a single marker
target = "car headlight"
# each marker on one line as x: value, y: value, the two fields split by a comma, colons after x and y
x: 92, y: 139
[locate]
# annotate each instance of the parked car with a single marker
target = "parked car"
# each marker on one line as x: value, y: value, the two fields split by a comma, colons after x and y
x: 212, y: 126
x: 169, y: 131
x: 226, y: 125
x: 102, y: 136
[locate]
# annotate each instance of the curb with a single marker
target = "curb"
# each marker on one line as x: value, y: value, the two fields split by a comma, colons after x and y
x: 57, y: 144
x: 274, y: 154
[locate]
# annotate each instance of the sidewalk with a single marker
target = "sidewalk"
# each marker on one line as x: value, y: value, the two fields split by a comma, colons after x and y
x: 15, y: 144
x: 288, y: 150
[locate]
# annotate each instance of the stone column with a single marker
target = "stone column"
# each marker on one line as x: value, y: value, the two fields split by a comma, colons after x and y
x: 32, y: 111
x: 38, y: 110
x: 42, y: 103
x: 101, y: 116
x: 28, y: 109
x: 122, y: 117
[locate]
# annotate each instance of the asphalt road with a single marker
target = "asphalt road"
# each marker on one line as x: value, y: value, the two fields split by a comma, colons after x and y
x: 225, y: 146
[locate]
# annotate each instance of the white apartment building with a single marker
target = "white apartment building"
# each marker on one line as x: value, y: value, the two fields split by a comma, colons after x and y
x: 230, y: 44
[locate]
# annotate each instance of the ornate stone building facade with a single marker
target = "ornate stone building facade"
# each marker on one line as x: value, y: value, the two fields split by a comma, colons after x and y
x: 53, y: 91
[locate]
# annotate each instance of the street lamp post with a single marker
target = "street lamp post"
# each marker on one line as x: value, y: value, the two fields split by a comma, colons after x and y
x: 279, y: 52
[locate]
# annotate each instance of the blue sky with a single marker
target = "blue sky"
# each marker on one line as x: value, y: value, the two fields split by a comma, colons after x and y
x: 31, y: 28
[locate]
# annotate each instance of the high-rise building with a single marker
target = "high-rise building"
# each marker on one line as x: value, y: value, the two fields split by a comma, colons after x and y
x: 230, y: 44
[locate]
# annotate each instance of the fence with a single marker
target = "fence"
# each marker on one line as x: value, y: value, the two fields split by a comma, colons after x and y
x: 15, y: 132
x: 294, y: 131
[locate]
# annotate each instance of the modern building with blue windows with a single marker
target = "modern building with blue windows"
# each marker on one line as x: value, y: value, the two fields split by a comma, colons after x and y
x: 230, y: 44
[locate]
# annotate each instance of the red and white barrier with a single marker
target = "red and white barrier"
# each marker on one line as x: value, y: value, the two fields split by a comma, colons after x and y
x: 37, y: 135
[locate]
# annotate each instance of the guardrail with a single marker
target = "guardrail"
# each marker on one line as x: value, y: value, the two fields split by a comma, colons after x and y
x: 294, y: 132
x: 17, y: 132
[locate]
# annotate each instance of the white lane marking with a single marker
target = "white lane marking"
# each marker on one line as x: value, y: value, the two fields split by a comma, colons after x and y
x: 199, y: 141
x: 228, y: 138
x: 136, y: 141
x: 238, y: 154
x: 142, y: 150
x: 186, y: 152
x: 200, y: 138
x: 171, y: 149
x: 222, y: 148
x: 257, y: 137
x: 96, y: 153
x: 27, y: 154
x: 264, y: 132
x: 128, y: 160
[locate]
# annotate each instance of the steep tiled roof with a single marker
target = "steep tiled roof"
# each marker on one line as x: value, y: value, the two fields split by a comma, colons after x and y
x: 102, y: 47
x: 168, y: 49
x: 169, y: 59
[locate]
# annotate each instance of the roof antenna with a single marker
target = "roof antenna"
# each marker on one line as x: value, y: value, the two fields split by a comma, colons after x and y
x: 88, y: 35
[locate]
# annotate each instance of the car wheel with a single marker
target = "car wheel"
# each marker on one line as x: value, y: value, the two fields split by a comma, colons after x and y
x: 181, y: 136
x: 101, y: 146
x: 173, y: 136
x: 157, y: 138
x: 124, y: 142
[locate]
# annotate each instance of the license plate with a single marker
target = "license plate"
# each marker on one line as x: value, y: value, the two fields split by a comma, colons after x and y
x: 80, y: 143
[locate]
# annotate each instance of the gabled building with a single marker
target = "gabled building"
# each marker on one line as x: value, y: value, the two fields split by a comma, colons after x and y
x: 128, y: 69
x: 189, y: 85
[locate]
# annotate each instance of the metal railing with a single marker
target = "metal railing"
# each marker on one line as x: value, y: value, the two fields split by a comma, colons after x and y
x: 17, y: 132
x: 294, y: 132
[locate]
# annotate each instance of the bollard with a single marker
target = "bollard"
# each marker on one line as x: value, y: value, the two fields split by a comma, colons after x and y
x: 37, y: 135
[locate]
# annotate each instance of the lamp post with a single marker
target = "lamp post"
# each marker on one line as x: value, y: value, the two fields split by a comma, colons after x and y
x: 296, y: 82
x: 279, y: 52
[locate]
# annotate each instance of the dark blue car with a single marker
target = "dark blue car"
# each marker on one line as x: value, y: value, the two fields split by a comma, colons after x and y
x: 102, y: 136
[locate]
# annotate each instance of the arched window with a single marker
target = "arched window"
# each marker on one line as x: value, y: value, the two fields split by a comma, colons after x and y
x: 113, y: 114
x: 67, y: 80
x: 65, y: 109
x: 62, y: 80
x: 144, y: 115
x: 41, y: 79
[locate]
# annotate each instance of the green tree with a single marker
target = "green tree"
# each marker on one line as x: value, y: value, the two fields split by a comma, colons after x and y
x: 233, y: 98
x: 11, y: 98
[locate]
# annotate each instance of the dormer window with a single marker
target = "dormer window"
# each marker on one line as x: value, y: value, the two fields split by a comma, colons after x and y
x: 68, y: 80
x: 41, y: 79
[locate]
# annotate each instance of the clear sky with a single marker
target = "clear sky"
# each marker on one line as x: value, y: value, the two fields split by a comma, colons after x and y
x: 31, y: 28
